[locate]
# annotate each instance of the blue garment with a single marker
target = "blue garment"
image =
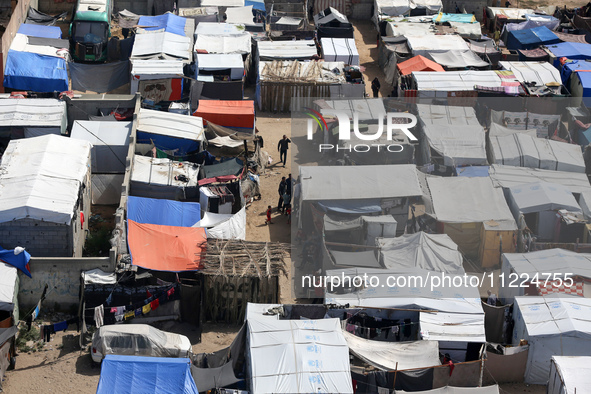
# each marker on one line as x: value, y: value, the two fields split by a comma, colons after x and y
x: 61, y: 326
x: 20, y: 261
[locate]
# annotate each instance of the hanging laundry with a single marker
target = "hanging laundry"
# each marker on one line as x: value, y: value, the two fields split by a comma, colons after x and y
x: 146, y: 309
x: 155, y: 304
x: 114, y: 310
x: 170, y: 292
x: 118, y: 318
x: 129, y: 315
x: 99, y: 314
x: 61, y: 326
x: 138, y: 312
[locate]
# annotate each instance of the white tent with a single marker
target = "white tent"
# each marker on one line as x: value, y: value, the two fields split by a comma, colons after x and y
x: 510, y: 13
x: 556, y: 262
x: 40, y: 178
x: 407, y: 29
x: 155, y: 178
x: 229, y: 43
x: 326, y: 17
x: 457, y: 145
x: 366, y: 109
x: 170, y: 124
x: 553, y: 326
x: 383, y: 9
x: 298, y: 356
x: 447, y: 115
x: 110, y: 143
x: 507, y: 176
x: 456, y: 390
x: 457, y: 59
x: 142, y: 70
x: 340, y: 50
x: 496, y: 130
x: 240, y: 15
x: 222, y: 3
x: 433, y: 252
x: 217, y: 29
x: 541, y: 73
x: 569, y: 375
x: 429, y: 82
x: 162, y: 45
x: 467, y: 30
x: 224, y: 226
x: 423, y: 45
x: 36, y: 116
x: 225, y: 61
x: 387, y: 356
x: 8, y: 288
x: 286, y: 50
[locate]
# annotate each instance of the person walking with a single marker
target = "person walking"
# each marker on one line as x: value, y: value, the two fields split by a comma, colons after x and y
x: 282, y: 147
x: 269, y: 211
x: 281, y: 190
x: 375, y: 87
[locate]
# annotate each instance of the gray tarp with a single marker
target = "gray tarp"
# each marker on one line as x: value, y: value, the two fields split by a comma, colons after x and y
x: 457, y: 59
x: 99, y: 78
x: 494, y: 319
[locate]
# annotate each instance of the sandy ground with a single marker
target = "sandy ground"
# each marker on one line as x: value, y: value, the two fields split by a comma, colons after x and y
x: 62, y: 367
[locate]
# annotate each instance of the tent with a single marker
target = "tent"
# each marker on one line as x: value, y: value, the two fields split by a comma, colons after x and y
x: 221, y: 38
x: 387, y: 8
x: 286, y: 50
x: 532, y: 21
x: 447, y: 115
x: 233, y: 166
x: 569, y: 50
x: 531, y: 38
x: 456, y: 390
x: 228, y: 113
x: 467, y: 30
x: 457, y: 59
x: 40, y: 31
x: 524, y: 150
x: 170, y: 132
x: 240, y: 15
x: 407, y: 29
x: 422, y: 45
x: 163, y: 212
x: 331, y: 23
x: 340, y: 50
x: 162, y: 45
x: 427, y: 82
x: 365, y: 109
x: 224, y: 226
x: 461, y: 18
x: 168, y: 22
x: 486, y: 49
x: 166, y: 248
x: 554, y: 262
x: 200, y: 14
x: 50, y: 74
x: 210, y: 63
x: 157, y: 80
x: 418, y: 63
x: 454, y: 145
x: 132, y: 374
x: 434, y: 252
x: 553, y: 326
x: 35, y: 116
x: 577, y: 75
x: 297, y: 356
x: 110, y: 143
x: 9, y: 289
x: 534, y: 75
x: 507, y: 176
x: 163, y: 178
x: 475, y: 216
x: 569, y: 375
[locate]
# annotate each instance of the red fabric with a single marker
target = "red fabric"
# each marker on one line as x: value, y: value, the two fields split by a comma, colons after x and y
x: 170, y: 292
x: 228, y: 113
x: 166, y: 248
x: 155, y: 304
x: 268, y: 215
x: 82, y: 220
x: 451, y: 367
x: 148, y: 293
x: 177, y: 89
x: 220, y: 179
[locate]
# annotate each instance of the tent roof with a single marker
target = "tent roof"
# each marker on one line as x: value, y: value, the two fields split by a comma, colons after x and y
x: 401, y: 7
x: 328, y: 15
x: 228, y: 113
x: 301, y: 72
x: 507, y: 176
x: 121, y: 374
x: 219, y: 61
x: 28, y: 112
x: 457, y: 144
x: 359, y: 182
x: 156, y: 67
x: 467, y: 30
x: 163, y: 212
x: 102, y: 133
x: 421, y: 44
x: 434, y: 252
x: 452, y: 327
x: 240, y: 15
x: 218, y: 29
x: 407, y: 29
x: 281, y: 354
x: 543, y: 196
x: 511, y: 13
x: 40, y: 178
x: 571, y: 50
x: 40, y: 31
x: 447, y: 115
x: 168, y: 22
x: 556, y: 261
x: 575, y: 372
x: 364, y: 108
x: 462, y: 18
x: 162, y: 45
x: 457, y: 59
x: 283, y: 50
x: 455, y: 80
x: 9, y: 275
x: 227, y: 43
x: 531, y: 38
x: 50, y: 74
x: 162, y: 172
x: 418, y: 63
x: 171, y: 124
x: 541, y: 73
x: 224, y: 226
x: 457, y: 390
x: 469, y: 200
x: 166, y: 248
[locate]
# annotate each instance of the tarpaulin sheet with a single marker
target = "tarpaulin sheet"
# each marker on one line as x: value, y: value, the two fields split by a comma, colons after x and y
x: 462, y: 18
x: 16, y: 259
x: 167, y: 22
x: 453, y: 327
x: 569, y: 375
x: 233, y: 227
x: 40, y: 31
x: 9, y: 276
x: 542, y: 196
x: 166, y: 248
x: 99, y: 78
x: 35, y: 17
x: 573, y: 66
x: 365, y: 206
x: 48, y: 75
x: 571, y: 50
x: 227, y: 113
x: 457, y: 390
x: 457, y: 59
x: 229, y: 167
x: 133, y: 374
x: 531, y: 38
x: 163, y: 212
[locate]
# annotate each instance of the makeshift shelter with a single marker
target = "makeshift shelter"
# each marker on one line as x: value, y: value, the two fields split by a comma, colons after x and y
x: 508, y: 176
x: 475, y: 216
x: 575, y: 75
x: 423, y: 45
x: 157, y: 80
x: 222, y: 65
x: 536, y: 77
x: 162, y: 45
x: 50, y: 73
x: 331, y: 23
x: 458, y: 59
x: 168, y: 131
x: 166, y: 248
x: 163, y: 212
x: 9, y: 312
x: 486, y: 49
x: 407, y: 29
x: 430, y: 84
x: 553, y: 326
x: 497, y: 17
x: 142, y: 374
x: 163, y: 178
x: 453, y: 145
x: 200, y: 14
x: 457, y: 390
x: 286, y: 50
x: 447, y: 115
x: 569, y: 375
x: 553, y: 262
x: 523, y: 150
x: 389, y: 51
x: 569, y: 50
x: 238, y: 114
x: 224, y: 226
x: 383, y: 9
x: 46, y: 185
x: 467, y: 30
x: 418, y: 63
x: 25, y: 118
x: 221, y: 38
x: 274, y: 361
x: 167, y: 22
x: 531, y: 38
x: 340, y: 50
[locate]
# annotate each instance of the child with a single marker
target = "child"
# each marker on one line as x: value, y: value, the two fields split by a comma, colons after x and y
x: 269, y: 210
x: 288, y: 210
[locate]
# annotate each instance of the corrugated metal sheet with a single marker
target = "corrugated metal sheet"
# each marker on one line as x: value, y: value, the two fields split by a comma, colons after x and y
x: 343, y: 6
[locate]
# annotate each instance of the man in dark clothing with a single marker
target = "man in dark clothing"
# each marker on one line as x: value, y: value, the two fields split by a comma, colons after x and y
x: 282, y: 147
x: 281, y: 190
x: 375, y: 87
x: 288, y: 184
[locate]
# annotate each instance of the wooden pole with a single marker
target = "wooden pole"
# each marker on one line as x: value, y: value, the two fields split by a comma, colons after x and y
x: 395, y: 374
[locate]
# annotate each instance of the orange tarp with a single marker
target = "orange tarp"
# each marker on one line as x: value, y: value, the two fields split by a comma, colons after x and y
x: 418, y: 63
x: 228, y: 113
x: 166, y: 248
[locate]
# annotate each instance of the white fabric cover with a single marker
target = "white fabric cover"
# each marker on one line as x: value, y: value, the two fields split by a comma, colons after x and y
x: 401, y: 7
x: 456, y: 390
x: 455, y: 80
x: 302, y: 49
x: 232, y: 61
x: 224, y: 226
x: 358, y: 182
x: 217, y: 29
x: 171, y: 124
x: 467, y: 30
x: 458, y: 144
x: 340, y: 50
x: 543, y: 196
x: 110, y: 143
x: 156, y: 69
x: 511, y: 13
x: 539, y: 72
x: 496, y: 130
x: 507, y: 176
x: 298, y: 356
x: 98, y: 276
x: 236, y: 43
x: 39, y: 131
x: 553, y: 326
x: 33, y: 169
x: 453, y: 327
x: 569, y: 375
x: 457, y: 59
x: 434, y: 252
x: 447, y: 115
x: 469, y: 200
x: 387, y: 355
x: 9, y: 276
x: 365, y: 109
x: 162, y: 45
x: 162, y: 172
x: 240, y: 15
x: 33, y: 112
x: 407, y: 29
x: 20, y: 43
x: 422, y: 45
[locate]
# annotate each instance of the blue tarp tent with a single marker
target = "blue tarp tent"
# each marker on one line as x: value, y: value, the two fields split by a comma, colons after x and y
x: 180, y: 146
x: 168, y: 22
x: 163, y: 212
x: 585, y: 80
x: 570, y: 67
x: 19, y: 260
x: 531, y: 38
x: 37, y: 73
x: 40, y: 31
x: 158, y: 375
x: 570, y: 50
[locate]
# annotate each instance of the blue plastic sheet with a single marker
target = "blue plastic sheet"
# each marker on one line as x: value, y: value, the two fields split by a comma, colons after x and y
x: 169, y: 22
x: 20, y: 261
x: 36, y: 73
x: 531, y: 38
x: 163, y: 212
x: 570, y: 50
x: 40, y: 31
x: 472, y: 171
x: 180, y: 146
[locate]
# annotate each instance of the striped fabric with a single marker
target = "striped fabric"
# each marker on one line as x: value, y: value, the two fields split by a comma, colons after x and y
x: 342, y: 6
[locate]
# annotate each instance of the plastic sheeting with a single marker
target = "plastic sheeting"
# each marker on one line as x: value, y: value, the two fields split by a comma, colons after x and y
x: 358, y: 182
x: 298, y: 356
x: 340, y: 50
x: 507, y: 176
x: 168, y: 22
x: 34, y: 168
x: 9, y: 275
x: 453, y: 327
x: 403, y: 7
x: 227, y: 113
x: 447, y: 115
x: 130, y: 374
x: 229, y: 167
x: 458, y: 59
x: 170, y: 131
x: 163, y: 212
x: 163, y: 172
x: 240, y: 15
x: 542, y: 196
x: 166, y: 248
x: 98, y: 276
x: 458, y: 144
x: 456, y: 390
x: 231, y: 61
x: 407, y: 29
x: 50, y: 73
x: 224, y: 226
x: 422, y: 45
x: 40, y: 31
x: 99, y: 78
x: 18, y: 258
x: 236, y: 43
x: 286, y: 50
x: 531, y: 38
x: 418, y: 63
x: 571, y: 50
x: 365, y: 109
x: 434, y: 252
x: 162, y: 45
x: 569, y: 375
x: 389, y: 355
x: 467, y: 30
x: 541, y: 73
x: 451, y: 81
